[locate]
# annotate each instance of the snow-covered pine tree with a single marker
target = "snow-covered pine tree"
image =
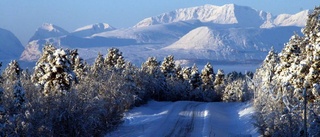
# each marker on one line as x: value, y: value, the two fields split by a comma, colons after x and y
x: 14, y: 88
x: 186, y: 73
x: 53, y: 71
x: 12, y: 72
x: 19, y: 95
x: 195, y: 79
x: 168, y: 67
x: 232, y: 76
x: 151, y: 66
x: 78, y: 65
x: 280, y: 106
x: 235, y: 91
x: 114, y: 60
x: 179, y: 72
x: 98, y: 66
x: 155, y: 82
x: 130, y: 88
x: 207, y: 76
x: 219, y: 82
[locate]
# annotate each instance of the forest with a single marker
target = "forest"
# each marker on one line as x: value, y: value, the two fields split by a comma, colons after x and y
x: 65, y: 96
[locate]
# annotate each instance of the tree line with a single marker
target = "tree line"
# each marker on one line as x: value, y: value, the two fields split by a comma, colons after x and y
x: 65, y: 96
x: 288, y: 86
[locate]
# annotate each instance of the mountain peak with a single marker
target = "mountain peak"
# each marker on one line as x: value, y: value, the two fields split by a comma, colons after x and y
x: 231, y: 14
x: 97, y: 26
x: 199, y: 38
x: 92, y: 29
x: 47, y: 30
x: 226, y: 14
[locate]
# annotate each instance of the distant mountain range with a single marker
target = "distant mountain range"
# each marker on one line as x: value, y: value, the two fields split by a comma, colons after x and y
x: 221, y: 34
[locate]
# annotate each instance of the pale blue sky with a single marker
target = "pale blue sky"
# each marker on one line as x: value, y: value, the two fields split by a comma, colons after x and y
x: 23, y: 17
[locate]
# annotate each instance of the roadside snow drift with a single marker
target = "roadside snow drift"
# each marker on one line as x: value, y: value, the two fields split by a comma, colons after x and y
x: 186, y: 118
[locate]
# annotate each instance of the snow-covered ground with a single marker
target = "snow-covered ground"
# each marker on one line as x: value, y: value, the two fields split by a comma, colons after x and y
x: 186, y: 118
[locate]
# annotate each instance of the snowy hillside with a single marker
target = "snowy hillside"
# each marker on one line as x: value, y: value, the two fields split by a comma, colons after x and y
x: 298, y: 19
x: 230, y: 44
x: 10, y: 47
x: 187, y: 118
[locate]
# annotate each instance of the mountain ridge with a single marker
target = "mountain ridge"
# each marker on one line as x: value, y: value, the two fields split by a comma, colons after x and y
x: 226, y: 14
x: 10, y: 46
x: 246, y: 36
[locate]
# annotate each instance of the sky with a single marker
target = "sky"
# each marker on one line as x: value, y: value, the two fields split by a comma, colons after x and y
x: 23, y: 17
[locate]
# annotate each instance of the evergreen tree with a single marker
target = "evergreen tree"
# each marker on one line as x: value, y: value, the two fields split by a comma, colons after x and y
x: 19, y: 95
x: 98, y: 66
x: 235, y: 91
x: 14, y: 89
x: 219, y: 82
x: 179, y: 72
x: 284, y: 79
x: 78, y: 65
x: 114, y: 60
x: 151, y: 66
x: 195, y: 79
x: 207, y: 76
x: 186, y: 73
x: 53, y: 71
x: 168, y: 67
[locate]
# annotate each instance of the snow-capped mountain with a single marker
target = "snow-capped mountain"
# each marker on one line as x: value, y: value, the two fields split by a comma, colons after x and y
x: 47, y: 33
x: 233, y: 44
x: 228, y: 33
x: 80, y: 38
x: 298, y: 19
x: 48, y: 30
x: 240, y: 16
x: 92, y: 29
x: 10, y: 47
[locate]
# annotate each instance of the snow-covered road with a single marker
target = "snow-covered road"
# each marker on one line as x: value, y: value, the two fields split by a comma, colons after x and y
x: 186, y: 118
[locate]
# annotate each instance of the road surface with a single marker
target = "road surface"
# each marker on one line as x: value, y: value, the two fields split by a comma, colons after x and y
x: 187, y: 119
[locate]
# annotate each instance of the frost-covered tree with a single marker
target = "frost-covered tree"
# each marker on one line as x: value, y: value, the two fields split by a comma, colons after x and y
x: 12, y: 72
x: 179, y: 72
x: 151, y: 66
x: 78, y: 65
x: 14, y: 89
x: 208, y: 77
x: 168, y: 67
x: 114, y: 60
x: 53, y: 71
x: 219, y: 82
x: 283, y: 80
x: 235, y: 91
x: 195, y: 79
x: 19, y: 95
x: 98, y: 66
x: 155, y: 82
x: 186, y: 73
